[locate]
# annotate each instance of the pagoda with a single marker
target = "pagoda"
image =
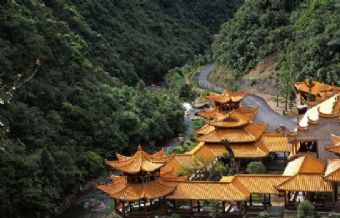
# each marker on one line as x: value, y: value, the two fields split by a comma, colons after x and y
x: 225, y: 103
x: 139, y: 191
x: 231, y: 122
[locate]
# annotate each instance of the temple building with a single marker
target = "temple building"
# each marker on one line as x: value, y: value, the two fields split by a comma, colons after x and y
x: 140, y: 189
x: 225, y: 103
x: 231, y: 122
x: 321, y: 120
x: 312, y: 93
x: 304, y: 178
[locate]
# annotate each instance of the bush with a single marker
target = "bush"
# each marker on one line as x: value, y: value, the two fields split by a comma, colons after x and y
x: 263, y: 214
x: 175, y: 215
x: 256, y: 168
x: 305, y: 209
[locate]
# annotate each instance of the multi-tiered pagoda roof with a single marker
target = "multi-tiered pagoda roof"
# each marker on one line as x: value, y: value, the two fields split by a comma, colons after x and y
x: 141, y: 178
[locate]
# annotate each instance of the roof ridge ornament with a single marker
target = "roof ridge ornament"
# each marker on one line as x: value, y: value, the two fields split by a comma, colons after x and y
x: 139, y: 147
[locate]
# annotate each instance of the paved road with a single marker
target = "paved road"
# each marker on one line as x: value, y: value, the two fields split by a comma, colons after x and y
x: 264, y: 115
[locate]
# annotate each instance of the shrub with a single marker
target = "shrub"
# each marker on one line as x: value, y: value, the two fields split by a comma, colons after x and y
x: 263, y: 214
x: 305, y: 209
x: 256, y: 167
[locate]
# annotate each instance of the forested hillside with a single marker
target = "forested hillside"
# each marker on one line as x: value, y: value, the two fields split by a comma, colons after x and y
x: 74, y: 86
x: 304, y: 34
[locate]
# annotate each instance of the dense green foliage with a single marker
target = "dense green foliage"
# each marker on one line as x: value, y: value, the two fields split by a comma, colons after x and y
x: 263, y: 214
x: 256, y: 167
x: 258, y: 29
x: 304, y: 35
x: 88, y: 97
x: 305, y: 209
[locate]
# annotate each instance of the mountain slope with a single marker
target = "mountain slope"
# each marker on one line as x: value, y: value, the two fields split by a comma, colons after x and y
x: 78, y: 106
x: 304, y: 36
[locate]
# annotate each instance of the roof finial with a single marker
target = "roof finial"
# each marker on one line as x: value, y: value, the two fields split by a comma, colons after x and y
x: 139, y: 147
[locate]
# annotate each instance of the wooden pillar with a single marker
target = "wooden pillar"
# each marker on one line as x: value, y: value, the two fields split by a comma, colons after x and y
x: 130, y: 206
x: 265, y: 201
x: 174, y: 204
x: 336, y: 192
x: 144, y: 206
x: 333, y: 193
x: 251, y: 200
x: 123, y: 209
x: 198, y: 206
x: 270, y: 200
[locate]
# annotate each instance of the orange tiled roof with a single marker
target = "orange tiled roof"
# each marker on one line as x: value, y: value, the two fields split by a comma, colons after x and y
x: 261, y: 184
x: 315, y: 89
x: 121, y: 157
x: 249, y: 133
x: 209, y: 152
x: 159, y: 154
x: 308, y: 182
x: 210, y: 191
x: 226, y: 97
x: 254, y: 150
x: 248, y: 112
x: 227, y: 179
x: 333, y: 170
x: 276, y: 142
x: 335, y: 148
x: 231, y: 120
x: 206, y: 129
x: 177, y: 161
x: 140, y: 161
x: 132, y: 192
x: 305, y: 164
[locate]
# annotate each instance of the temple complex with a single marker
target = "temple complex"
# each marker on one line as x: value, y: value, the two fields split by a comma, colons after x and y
x: 149, y: 185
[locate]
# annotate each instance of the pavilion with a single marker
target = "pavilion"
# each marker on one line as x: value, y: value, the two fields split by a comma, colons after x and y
x: 140, y: 191
x: 225, y: 103
x: 303, y: 178
x: 307, y: 182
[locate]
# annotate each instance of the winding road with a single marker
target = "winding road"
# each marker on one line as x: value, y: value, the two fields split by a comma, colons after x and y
x: 265, y: 113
